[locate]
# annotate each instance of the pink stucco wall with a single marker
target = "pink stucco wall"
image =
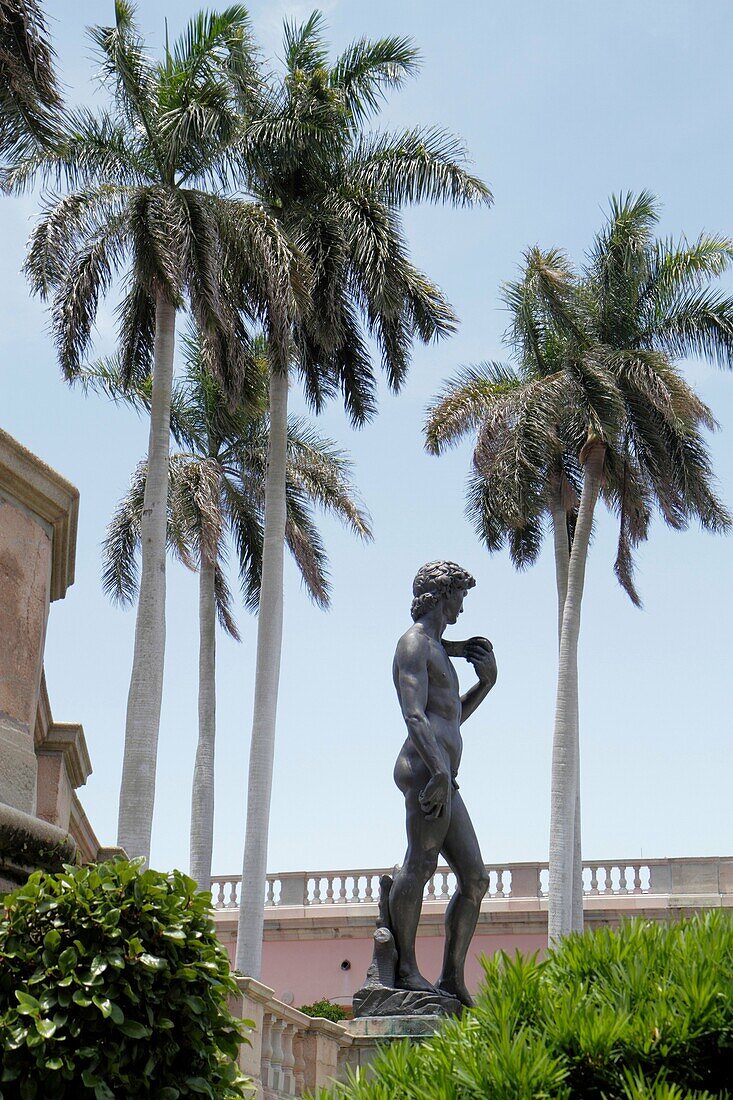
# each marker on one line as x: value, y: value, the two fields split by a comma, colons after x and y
x: 311, y: 969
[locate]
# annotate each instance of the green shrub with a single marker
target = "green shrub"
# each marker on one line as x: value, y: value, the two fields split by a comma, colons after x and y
x: 642, y: 1013
x: 326, y: 1009
x: 113, y: 984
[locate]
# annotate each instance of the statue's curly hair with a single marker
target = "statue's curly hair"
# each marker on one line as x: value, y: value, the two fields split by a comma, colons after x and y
x: 435, y: 580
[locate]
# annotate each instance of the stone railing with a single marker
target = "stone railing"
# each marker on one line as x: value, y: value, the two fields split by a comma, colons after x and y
x: 289, y: 1053
x: 601, y: 879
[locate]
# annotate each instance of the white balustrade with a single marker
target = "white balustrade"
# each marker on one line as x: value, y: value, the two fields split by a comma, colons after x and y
x: 289, y: 1054
x: 601, y: 879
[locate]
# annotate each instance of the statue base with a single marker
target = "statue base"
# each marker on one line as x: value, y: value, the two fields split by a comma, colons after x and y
x: 370, y: 1033
x: 382, y: 1002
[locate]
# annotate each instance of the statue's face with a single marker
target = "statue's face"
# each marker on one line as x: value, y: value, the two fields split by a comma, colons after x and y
x: 454, y: 604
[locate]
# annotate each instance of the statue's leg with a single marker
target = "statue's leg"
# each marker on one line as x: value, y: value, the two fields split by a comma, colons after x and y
x: 461, y: 851
x: 424, y: 841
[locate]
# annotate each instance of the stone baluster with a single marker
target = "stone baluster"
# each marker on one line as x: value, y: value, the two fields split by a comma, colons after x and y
x: 355, y: 889
x: 342, y: 890
x: 316, y: 891
x: 276, y: 1057
x: 502, y: 884
x: 329, y: 889
x: 288, y: 1063
x: 217, y: 895
x: 270, y: 894
x: 266, y: 1062
x: 593, y: 890
x: 430, y: 894
x: 445, y: 892
x: 368, y: 889
x: 298, y: 1062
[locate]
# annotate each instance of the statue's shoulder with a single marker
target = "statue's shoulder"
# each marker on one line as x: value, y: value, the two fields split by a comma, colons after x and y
x: 413, y: 645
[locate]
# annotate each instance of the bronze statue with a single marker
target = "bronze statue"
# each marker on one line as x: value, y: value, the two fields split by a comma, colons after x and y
x: 437, y: 820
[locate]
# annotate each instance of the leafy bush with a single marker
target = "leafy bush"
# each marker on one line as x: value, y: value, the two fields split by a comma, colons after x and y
x: 113, y: 984
x: 642, y: 1013
x: 326, y: 1009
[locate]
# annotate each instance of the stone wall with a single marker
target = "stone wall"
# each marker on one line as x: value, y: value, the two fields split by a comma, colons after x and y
x: 42, y: 763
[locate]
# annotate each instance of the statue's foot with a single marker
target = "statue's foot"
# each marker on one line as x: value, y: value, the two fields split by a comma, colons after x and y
x: 455, y: 989
x: 414, y: 981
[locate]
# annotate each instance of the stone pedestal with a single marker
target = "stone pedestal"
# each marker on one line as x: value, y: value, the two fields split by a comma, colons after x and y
x: 38, y: 515
x: 370, y: 1033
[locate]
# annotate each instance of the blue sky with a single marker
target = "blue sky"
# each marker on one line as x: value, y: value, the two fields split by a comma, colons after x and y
x: 560, y: 104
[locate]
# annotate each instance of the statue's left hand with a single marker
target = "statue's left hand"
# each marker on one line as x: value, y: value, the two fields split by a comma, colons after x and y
x: 480, y: 653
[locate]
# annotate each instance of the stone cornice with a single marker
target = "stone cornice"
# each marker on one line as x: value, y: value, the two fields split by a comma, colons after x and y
x: 28, y: 481
x: 68, y: 739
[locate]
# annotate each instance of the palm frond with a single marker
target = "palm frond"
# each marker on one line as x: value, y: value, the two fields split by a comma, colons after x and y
x: 120, y: 569
x: 678, y: 266
x: 699, y: 322
x: 306, y: 546
x: 420, y: 165
x: 136, y: 333
x: 127, y: 67
x: 245, y: 523
x: 29, y: 93
x: 489, y: 527
x: 75, y: 300
x: 463, y: 402
x: 366, y: 69
x: 304, y: 45
x: 322, y: 471
x: 223, y: 597
x: 517, y: 447
x: 64, y: 225
x: 107, y: 377
x: 619, y: 265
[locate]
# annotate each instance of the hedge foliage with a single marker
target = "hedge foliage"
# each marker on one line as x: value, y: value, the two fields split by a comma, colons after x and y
x: 326, y: 1010
x: 642, y: 1013
x: 113, y: 984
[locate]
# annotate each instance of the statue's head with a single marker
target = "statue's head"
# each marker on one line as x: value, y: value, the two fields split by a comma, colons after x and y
x: 436, y: 581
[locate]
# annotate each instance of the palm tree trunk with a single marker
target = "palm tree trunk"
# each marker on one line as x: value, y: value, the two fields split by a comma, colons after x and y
x: 562, y: 561
x: 202, y: 792
x: 267, y: 678
x: 137, y: 794
x: 564, y: 746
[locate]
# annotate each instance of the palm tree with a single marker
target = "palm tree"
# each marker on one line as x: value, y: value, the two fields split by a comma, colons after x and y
x: 525, y: 475
x: 29, y: 93
x: 336, y: 191
x: 139, y: 208
x: 597, y: 407
x: 216, y: 498
x: 647, y: 303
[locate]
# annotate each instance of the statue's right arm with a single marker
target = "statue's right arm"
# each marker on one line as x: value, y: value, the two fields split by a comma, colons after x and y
x: 411, y: 660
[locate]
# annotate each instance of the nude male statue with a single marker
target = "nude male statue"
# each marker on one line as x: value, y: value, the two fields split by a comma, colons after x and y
x: 426, y: 769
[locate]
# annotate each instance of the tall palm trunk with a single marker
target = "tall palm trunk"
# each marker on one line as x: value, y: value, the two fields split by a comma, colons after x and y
x: 562, y: 562
x: 564, y: 746
x: 267, y: 678
x: 202, y: 792
x: 137, y: 794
